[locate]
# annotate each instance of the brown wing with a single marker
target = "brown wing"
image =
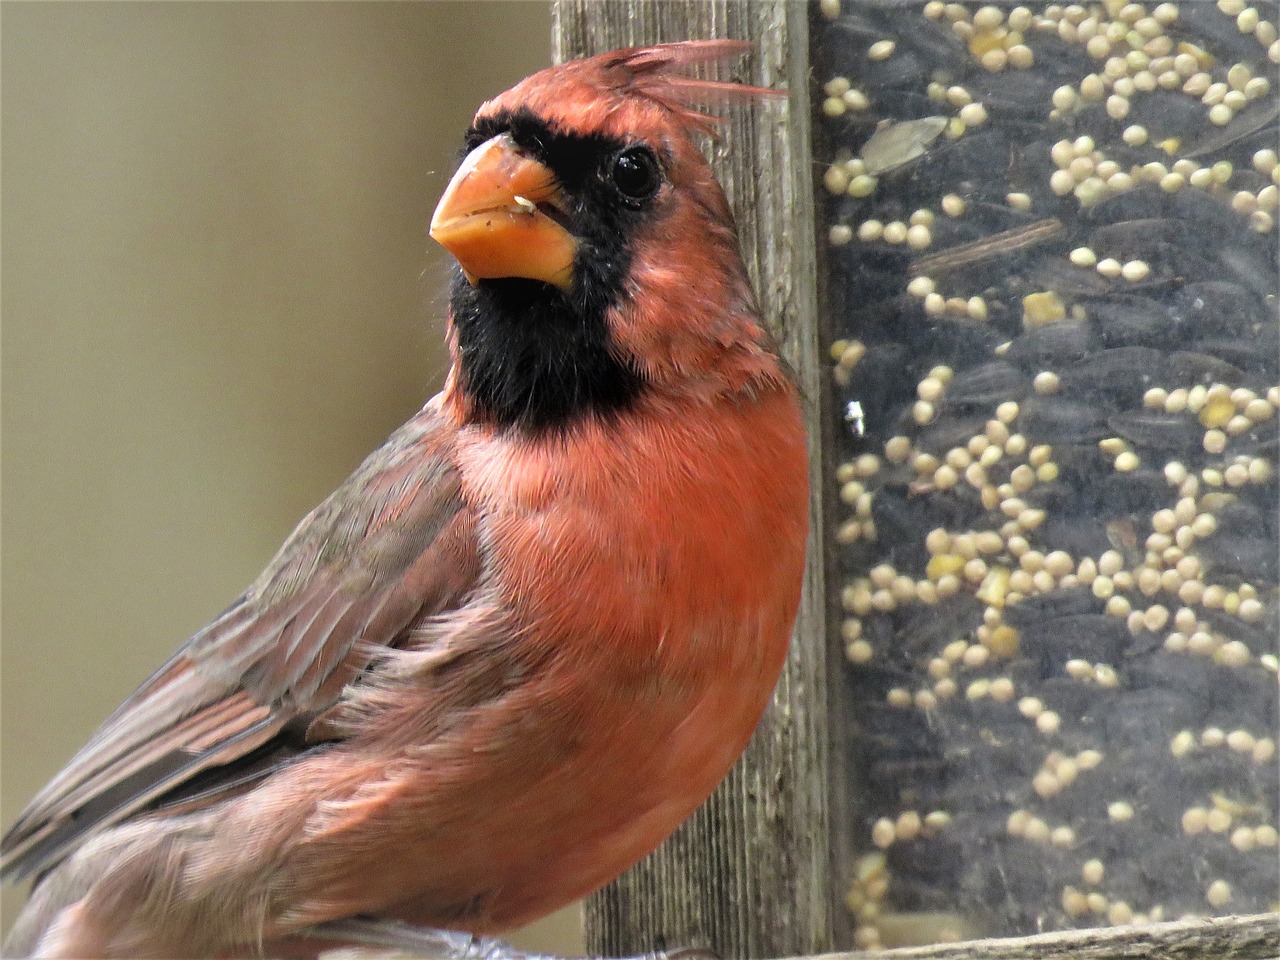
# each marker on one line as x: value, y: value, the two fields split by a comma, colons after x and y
x: 394, y: 543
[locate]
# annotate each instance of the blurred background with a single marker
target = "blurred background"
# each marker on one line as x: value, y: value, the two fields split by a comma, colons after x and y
x: 218, y: 296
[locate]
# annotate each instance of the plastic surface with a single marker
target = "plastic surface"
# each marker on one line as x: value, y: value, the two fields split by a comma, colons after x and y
x: 1053, y: 299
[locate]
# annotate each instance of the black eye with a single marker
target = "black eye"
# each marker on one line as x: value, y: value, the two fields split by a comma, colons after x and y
x: 635, y: 173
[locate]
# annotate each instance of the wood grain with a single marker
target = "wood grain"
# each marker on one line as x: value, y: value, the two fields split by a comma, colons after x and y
x: 1224, y: 938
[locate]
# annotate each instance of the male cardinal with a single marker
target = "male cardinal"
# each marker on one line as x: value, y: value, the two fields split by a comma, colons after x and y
x: 530, y: 634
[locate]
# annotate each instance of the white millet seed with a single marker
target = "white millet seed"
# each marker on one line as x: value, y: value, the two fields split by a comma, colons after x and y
x: 881, y: 50
x: 919, y: 237
x: 1135, y: 270
x: 840, y: 234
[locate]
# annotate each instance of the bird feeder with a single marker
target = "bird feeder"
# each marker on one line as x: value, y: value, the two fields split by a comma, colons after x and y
x: 1023, y: 259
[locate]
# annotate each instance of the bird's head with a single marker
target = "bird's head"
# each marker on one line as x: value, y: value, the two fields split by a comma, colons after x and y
x: 598, y: 258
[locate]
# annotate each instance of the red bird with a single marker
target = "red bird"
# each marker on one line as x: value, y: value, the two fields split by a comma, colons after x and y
x: 530, y: 634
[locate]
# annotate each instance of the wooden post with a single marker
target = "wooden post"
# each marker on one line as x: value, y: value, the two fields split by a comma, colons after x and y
x: 750, y: 874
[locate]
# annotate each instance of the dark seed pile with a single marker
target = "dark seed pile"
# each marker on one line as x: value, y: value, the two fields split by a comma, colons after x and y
x: 1053, y: 260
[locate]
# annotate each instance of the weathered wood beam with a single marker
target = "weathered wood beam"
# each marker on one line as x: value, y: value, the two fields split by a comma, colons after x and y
x: 1254, y: 937
x: 1223, y: 938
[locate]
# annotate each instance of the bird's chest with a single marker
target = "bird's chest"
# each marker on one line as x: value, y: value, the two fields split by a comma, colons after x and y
x: 640, y: 535
x: 652, y: 571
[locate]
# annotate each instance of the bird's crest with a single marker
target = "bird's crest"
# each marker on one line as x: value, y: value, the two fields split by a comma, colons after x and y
x: 656, y: 73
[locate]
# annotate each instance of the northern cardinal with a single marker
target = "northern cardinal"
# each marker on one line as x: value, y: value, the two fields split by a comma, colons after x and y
x: 530, y: 634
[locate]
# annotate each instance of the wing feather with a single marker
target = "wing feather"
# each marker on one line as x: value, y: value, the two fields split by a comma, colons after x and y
x: 395, y: 543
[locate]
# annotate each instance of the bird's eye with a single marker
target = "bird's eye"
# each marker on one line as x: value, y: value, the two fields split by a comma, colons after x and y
x: 635, y: 173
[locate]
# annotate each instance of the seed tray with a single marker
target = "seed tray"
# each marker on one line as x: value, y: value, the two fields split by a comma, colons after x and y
x: 1053, y: 282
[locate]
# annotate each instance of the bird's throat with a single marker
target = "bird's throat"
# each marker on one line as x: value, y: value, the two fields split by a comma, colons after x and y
x: 532, y: 356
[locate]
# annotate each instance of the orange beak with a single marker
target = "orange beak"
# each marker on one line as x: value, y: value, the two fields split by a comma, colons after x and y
x: 493, y: 217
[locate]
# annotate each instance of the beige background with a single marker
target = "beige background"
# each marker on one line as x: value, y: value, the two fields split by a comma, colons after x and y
x: 218, y: 295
